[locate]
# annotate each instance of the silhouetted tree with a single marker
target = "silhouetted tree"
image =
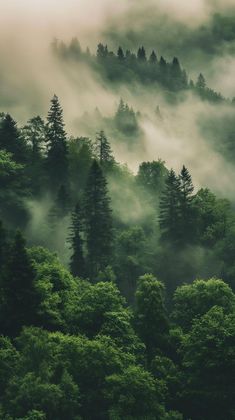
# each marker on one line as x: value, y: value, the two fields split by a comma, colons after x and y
x: 103, y: 150
x: 19, y: 304
x: 77, y: 261
x: 169, y: 208
x: 120, y: 54
x: 98, y: 221
x: 57, y: 149
x: 11, y: 141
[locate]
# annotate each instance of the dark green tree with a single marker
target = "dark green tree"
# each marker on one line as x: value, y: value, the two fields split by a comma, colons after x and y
x: 57, y: 149
x: 141, y: 54
x: 186, y: 205
x: 169, y: 208
x: 34, y: 133
x: 150, y: 314
x: 201, y: 82
x: 153, y: 58
x: 103, y: 151
x: 120, y: 54
x: 11, y: 140
x: 77, y: 261
x: 19, y: 304
x: 98, y: 221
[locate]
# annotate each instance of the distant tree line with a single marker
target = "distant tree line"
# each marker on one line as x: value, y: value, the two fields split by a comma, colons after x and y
x: 128, y: 66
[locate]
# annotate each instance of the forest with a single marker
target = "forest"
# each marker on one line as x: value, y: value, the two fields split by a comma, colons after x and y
x: 102, y: 317
x: 117, y: 210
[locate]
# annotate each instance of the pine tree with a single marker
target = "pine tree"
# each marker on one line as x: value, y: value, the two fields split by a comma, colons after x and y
x: 120, y: 54
x: 169, y: 208
x: 186, y: 207
x: 57, y: 149
x: 19, y: 294
x: 98, y: 221
x: 103, y: 150
x: 11, y: 141
x: 141, y: 54
x: 153, y: 58
x: 77, y: 261
x: 201, y: 82
x: 163, y: 71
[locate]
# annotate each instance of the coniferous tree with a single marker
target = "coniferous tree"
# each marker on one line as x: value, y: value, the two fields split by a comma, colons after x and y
x: 141, y: 54
x: 57, y: 149
x: 98, y: 221
x: 153, y: 58
x: 163, y: 71
x: 169, y: 208
x: 103, y: 150
x: 120, y: 54
x: 186, y: 208
x: 77, y: 261
x: 11, y: 141
x: 201, y: 82
x: 19, y: 294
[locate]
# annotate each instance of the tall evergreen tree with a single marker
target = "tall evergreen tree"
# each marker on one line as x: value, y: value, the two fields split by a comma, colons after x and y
x: 19, y: 304
x: 153, y: 58
x: 103, y: 150
x: 201, y: 82
x: 141, y: 54
x: 11, y: 141
x: 169, y: 208
x: 98, y: 221
x: 57, y: 149
x: 120, y: 54
x: 186, y: 208
x: 77, y: 261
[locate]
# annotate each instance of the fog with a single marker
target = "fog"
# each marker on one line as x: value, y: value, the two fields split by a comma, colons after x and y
x: 30, y: 75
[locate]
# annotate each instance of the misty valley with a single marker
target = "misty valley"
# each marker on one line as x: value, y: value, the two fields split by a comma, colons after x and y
x: 117, y: 211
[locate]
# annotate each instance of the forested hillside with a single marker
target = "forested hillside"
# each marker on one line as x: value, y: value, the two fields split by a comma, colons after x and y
x: 117, y: 210
x: 117, y: 325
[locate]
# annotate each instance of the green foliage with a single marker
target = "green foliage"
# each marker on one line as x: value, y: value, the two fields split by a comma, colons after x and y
x: 150, y: 314
x: 98, y: 221
x: 196, y: 299
x: 208, y: 362
x: 132, y: 394
x: 57, y: 149
x: 19, y: 299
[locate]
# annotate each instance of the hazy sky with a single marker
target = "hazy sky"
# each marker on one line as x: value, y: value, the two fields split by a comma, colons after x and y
x: 29, y: 75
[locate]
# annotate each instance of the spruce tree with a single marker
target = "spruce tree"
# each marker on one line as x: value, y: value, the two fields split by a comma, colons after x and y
x: 103, y: 150
x: 153, y: 58
x: 11, y: 141
x: 120, y: 54
x: 186, y: 205
x: 98, y: 221
x: 141, y: 54
x: 201, y: 82
x: 19, y: 295
x: 169, y: 208
x: 57, y: 149
x: 77, y: 261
